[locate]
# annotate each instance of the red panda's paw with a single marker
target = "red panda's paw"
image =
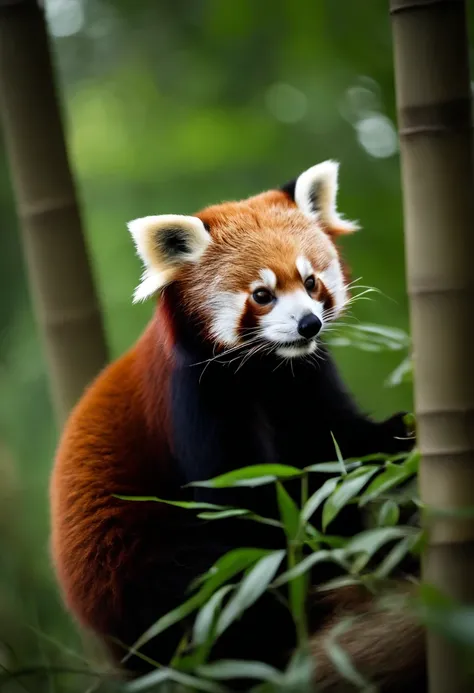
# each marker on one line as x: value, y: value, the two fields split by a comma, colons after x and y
x: 397, y: 434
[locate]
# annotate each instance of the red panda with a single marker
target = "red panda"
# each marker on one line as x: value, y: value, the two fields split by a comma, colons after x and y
x: 230, y: 371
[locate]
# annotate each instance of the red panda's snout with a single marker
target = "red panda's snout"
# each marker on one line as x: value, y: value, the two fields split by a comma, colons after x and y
x: 262, y: 274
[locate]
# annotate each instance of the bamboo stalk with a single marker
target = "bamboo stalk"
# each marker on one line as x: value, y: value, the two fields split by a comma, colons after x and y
x: 59, y: 272
x: 434, y: 115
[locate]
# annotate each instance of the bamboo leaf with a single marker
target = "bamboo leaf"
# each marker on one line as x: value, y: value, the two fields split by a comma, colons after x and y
x: 451, y: 620
x: 393, y: 334
x: 232, y: 563
x: 250, y: 589
x: 167, y: 621
x: 155, y: 678
x: 369, y: 542
x: 207, y: 615
x: 393, y: 475
x: 317, y: 498
x: 352, y: 463
x: 340, y: 459
x: 188, y: 505
x: 395, y: 556
x: 224, y: 569
x: 342, y: 662
x: 263, y: 520
x: 334, y: 556
x: 347, y: 489
x: 389, y: 514
x: 289, y: 512
x: 343, y: 581
x: 223, y: 514
x: 403, y: 373
x: 291, y: 520
x: 332, y: 467
x: 240, y: 669
x: 255, y: 475
x: 298, y: 677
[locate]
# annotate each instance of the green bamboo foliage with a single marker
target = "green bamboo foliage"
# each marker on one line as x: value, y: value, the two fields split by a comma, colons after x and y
x: 58, y: 266
x: 434, y: 114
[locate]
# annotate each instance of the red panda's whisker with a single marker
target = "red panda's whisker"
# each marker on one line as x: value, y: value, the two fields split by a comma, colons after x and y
x: 353, y: 282
x: 249, y: 354
x: 226, y: 352
x: 215, y: 358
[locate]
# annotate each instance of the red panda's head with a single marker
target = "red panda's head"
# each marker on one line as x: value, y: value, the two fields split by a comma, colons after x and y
x: 263, y: 271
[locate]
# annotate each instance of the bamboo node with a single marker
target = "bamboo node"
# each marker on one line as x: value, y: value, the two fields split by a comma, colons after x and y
x: 449, y: 116
x: 43, y: 207
x: 399, y: 6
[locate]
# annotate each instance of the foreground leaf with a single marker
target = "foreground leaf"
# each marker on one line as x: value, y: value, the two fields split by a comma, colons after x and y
x: 395, y: 556
x: 250, y: 589
x: 333, y: 556
x: 369, y: 542
x: 154, y: 678
x: 289, y: 512
x: 389, y: 514
x: 339, y: 456
x: 393, y: 475
x: 240, y: 669
x: 231, y: 563
x: 223, y: 570
x: 298, y: 677
x: 188, y: 505
x: 207, y: 615
x: 348, y: 489
x: 223, y: 514
x: 342, y: 662
x: 332, y: 467
x: 254, y: 475
x: 317, y: 498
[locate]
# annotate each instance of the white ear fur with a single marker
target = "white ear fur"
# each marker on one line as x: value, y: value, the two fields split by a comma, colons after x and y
x: 164, y: 243
x: 316, y: 195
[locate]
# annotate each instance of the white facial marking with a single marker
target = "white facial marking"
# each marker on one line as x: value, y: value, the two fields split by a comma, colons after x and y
x: 226, y: 308
x: 333, y: 280
x: 291, y: 352
x: 267, y: 279
x: 281, y: 324
x: 304, y: 267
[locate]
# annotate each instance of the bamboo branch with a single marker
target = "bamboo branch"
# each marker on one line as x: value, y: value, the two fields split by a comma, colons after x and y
x: 434, y: 115
x: 61, y: 282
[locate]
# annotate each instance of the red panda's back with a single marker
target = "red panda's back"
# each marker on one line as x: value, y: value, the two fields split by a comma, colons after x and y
x: 115, y: 442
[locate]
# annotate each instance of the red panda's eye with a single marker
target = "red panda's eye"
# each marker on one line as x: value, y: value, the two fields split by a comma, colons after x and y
x: 262, y: 296
x: 310, y: 283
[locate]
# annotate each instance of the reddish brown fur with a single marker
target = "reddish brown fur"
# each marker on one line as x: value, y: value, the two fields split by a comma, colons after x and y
x: 110, y: 445
x: 385, y: 643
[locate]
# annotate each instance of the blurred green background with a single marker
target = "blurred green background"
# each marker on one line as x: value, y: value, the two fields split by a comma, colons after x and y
x: 169, y: 106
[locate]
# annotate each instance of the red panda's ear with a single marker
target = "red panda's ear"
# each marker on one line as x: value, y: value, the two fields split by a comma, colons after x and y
x: 315, y: 193
x: 165, y: 243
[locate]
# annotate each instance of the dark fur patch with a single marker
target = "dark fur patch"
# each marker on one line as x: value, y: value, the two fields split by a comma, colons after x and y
x: 289, y: 189
x: 325, y: 296
x: 174, y: 242
x: 314, y: 194
x: 248, y: 322
x: 314, y: 197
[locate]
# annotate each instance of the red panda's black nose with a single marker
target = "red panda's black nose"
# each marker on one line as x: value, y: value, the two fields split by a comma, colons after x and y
x: 309, y: 326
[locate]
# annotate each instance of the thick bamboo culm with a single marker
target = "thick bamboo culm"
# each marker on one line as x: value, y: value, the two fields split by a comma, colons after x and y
x: 434, y: 115
x: 61, y: 283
